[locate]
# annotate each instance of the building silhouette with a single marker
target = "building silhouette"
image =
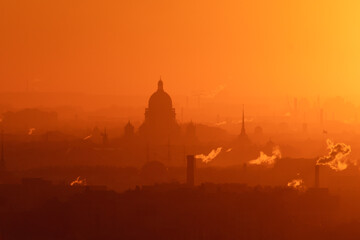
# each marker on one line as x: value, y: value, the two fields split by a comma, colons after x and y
x: 129, y: 131
x: 160, y: 124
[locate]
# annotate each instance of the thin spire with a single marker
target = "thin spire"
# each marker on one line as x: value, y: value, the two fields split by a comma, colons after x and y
x: 160, y: 85
x: 243, y: 121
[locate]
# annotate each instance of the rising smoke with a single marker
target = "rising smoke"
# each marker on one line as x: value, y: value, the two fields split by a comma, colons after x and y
x: 208, y: 158
x: 78, y: 182
x: 337, y: 158
x: 297, y: 184
x: 31, y: 131
x: 266, y: 160
x: 87, y: 137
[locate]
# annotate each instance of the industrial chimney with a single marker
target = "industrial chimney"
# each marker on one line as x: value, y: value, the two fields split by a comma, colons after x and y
x: 190, y: 172
x: 317, y: 176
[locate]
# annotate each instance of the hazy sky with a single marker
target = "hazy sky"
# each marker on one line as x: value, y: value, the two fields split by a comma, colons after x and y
x: 254, y: 48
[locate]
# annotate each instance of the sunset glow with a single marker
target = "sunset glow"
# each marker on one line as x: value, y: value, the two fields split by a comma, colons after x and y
x: 164, y: 119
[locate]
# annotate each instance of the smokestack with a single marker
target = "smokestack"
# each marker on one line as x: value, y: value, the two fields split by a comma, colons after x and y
x: 190, y: 173
x: 317, y: 176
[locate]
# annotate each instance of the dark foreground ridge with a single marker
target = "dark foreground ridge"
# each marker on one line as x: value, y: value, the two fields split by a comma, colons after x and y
x: 37, y: 209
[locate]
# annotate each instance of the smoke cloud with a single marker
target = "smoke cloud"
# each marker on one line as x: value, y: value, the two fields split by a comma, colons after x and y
x: 31, y: 131
x: 87, y: 137
x: 297, y: 184
x: 78, y: 182
x: 208, y: 158
x: 266, y: 160
x: 337, y: 158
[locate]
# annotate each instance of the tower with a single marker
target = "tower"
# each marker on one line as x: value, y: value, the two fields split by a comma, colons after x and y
x: 243, y: 137
x: 243, y: 123
x: 129, y: 131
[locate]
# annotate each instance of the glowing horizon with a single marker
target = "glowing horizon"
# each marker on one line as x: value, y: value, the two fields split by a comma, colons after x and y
x: 289, y: 48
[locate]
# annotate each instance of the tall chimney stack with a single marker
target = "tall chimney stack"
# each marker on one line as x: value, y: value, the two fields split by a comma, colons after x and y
x: 317, y: 176
x: 190, y: 172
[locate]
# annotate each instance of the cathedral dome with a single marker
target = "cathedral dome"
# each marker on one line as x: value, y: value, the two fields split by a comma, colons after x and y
x: 160, y: 99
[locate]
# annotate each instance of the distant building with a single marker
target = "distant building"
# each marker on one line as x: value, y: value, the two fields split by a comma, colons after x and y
x: 160, y: 124
x: 129, y: 131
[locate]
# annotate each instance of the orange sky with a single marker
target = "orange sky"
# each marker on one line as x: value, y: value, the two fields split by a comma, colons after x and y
x: 122, y: 47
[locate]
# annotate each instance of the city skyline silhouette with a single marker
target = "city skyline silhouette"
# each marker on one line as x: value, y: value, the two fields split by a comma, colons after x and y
x: 196, y: 120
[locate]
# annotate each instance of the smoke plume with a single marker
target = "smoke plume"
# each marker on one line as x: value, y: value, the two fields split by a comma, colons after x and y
x: 78, y: 182
x: 266, y: 160
x: 31, y: 131
x: 87, y: 137
x: 296, y: 183
x: 337, y: 158
x: 208, y: 158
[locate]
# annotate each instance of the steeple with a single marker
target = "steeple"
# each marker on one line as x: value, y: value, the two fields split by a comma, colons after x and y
x: 243, y: 122
x: 160, y: 85
x: 244, y: 139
